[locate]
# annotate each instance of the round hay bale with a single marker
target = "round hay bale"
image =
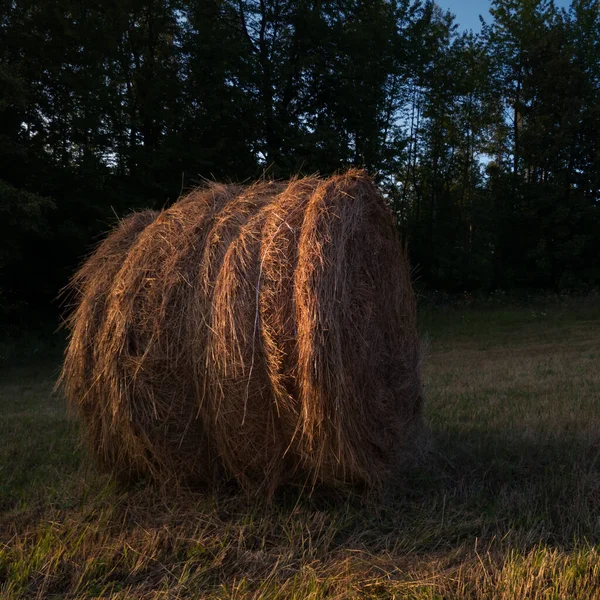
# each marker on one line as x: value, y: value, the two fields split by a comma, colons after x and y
x: 265, y: 333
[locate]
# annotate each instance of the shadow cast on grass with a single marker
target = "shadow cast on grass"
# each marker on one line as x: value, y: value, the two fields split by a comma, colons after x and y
x: 501, y: 490
x: 500, y: 485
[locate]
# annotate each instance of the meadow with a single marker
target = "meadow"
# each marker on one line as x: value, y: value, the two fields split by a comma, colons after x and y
x: 506, y: 504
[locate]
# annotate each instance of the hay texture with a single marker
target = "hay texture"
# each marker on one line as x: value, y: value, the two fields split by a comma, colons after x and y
x: 265, y: 333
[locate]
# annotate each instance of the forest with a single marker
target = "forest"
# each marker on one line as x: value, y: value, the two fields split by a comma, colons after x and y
x: 486, y: 145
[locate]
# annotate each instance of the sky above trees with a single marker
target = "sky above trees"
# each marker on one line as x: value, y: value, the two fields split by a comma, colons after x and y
x: 467, y: 11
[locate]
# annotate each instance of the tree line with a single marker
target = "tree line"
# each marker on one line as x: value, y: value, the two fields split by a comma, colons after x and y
x: 486, y: 145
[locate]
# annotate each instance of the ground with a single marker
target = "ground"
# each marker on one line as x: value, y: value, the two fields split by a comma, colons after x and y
x: 507, y: 504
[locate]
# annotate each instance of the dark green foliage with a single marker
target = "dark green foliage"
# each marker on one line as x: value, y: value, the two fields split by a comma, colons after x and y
x: 487, y: 145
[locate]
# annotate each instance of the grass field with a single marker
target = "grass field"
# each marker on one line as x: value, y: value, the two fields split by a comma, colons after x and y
x: 506, y: 506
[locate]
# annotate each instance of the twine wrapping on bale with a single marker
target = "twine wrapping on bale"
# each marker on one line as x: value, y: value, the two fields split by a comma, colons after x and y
x: 266, y: 333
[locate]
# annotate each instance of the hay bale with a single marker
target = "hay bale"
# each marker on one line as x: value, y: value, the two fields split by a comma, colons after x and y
x: 265, y: 333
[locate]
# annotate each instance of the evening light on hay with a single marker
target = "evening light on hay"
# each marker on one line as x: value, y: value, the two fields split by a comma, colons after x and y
x: 265, y: 333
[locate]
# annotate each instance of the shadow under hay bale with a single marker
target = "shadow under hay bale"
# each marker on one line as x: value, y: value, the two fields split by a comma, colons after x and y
x: 265, y: 333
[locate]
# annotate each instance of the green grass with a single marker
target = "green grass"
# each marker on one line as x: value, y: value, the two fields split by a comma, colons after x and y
x: 506, y: 506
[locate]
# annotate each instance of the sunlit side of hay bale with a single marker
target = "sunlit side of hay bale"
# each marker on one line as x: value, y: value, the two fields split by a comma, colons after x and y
x: 265, y: 333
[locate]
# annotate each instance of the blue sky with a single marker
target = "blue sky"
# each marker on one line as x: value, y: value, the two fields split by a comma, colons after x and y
x: 467, y: 11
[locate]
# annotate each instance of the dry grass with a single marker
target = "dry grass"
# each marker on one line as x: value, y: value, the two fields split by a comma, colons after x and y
x: 264, y: 333
x: 507, y: 508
